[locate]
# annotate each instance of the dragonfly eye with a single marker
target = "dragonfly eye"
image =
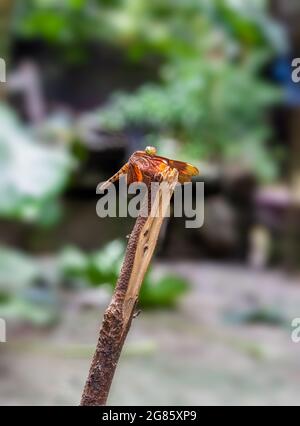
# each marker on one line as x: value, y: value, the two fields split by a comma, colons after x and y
x: 150, y: 150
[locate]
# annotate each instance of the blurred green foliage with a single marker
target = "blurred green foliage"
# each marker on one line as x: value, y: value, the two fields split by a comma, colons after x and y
x: 168, y: 27
x: 30, y: 288
x: 103, y: 267
x: 217, y: 114
x: 259, y: 314
x: 32, y: 173
x: 26, y: 296
x: 210, y: 96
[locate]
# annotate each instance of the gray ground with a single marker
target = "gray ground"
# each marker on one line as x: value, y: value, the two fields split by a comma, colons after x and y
x: 205, y: 352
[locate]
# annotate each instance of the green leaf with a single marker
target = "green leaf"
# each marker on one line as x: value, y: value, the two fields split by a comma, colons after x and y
x: 163, y: 293
x: 32, y: 173
x: 17, y: 271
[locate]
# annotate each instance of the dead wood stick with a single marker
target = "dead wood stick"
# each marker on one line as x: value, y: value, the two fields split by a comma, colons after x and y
x: 118, y: 316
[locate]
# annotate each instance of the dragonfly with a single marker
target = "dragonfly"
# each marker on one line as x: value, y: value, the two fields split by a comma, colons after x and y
x: 146, y: 166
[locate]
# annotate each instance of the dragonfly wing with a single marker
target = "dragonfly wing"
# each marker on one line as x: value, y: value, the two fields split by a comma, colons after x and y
x: 185, y: 170
x: 115, y: 177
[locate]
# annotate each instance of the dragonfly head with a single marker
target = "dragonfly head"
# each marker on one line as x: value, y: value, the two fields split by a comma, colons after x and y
x: 150, y: 150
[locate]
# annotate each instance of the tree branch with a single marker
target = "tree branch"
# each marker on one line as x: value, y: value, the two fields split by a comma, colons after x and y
x: 118, y: 316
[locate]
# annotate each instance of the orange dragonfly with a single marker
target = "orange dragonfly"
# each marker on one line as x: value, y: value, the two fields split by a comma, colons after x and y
x: 146, y: 166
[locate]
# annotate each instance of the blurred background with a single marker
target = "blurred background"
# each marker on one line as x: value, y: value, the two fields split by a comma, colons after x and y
x: 88, y: 83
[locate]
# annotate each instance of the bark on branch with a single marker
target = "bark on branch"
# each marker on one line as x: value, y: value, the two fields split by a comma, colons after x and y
x: 118, y: 316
